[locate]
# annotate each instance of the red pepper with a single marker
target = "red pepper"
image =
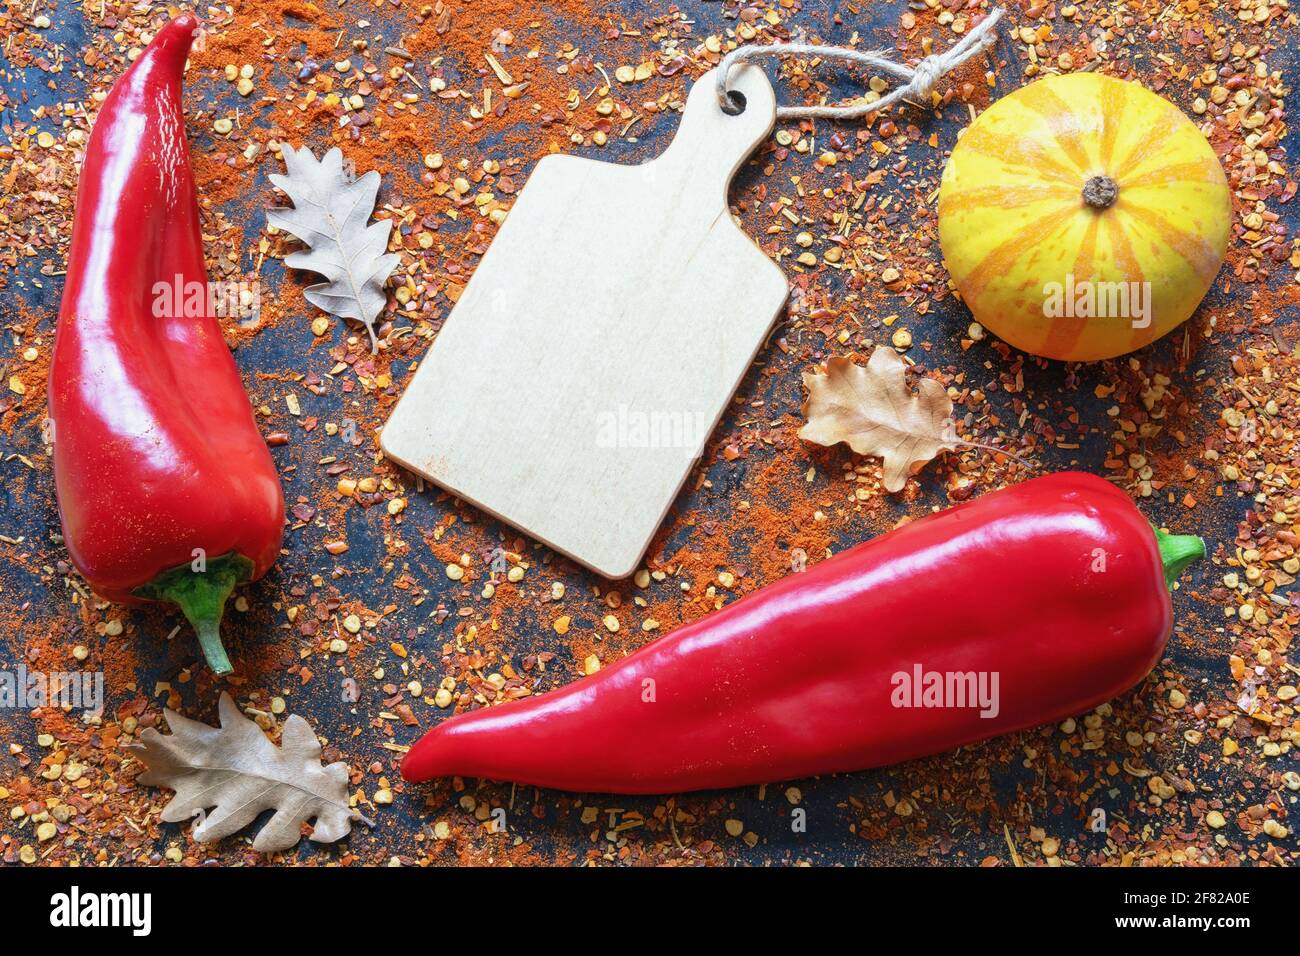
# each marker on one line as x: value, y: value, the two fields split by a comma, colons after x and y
x: 1058, y: 586
x: 166, y: 489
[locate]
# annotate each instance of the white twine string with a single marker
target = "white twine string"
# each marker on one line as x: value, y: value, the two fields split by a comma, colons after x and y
x: 919, y: 82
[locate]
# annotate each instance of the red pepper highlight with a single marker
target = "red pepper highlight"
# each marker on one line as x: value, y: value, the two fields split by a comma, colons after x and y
x: 1057, y: 585
x: 166, y: 489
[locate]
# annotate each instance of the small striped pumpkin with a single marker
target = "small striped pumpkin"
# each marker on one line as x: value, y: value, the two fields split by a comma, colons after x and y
x: 1082, y: 217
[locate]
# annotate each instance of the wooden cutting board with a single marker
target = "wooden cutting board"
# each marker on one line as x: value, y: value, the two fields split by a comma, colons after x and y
x: 599, y: 340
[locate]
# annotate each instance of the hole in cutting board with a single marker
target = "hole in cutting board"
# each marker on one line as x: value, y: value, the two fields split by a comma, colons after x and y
x: 735, y: 103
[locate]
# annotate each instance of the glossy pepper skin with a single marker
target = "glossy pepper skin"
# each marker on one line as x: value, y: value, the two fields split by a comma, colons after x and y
x: 1057, y: 584
x: 156, y: 453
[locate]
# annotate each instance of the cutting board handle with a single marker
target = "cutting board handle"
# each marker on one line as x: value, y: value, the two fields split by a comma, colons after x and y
x: 711, y: 144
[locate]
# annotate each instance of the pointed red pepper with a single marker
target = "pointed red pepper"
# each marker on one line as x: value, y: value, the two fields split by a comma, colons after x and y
x: 1057, y: 586
x: 166, y: 489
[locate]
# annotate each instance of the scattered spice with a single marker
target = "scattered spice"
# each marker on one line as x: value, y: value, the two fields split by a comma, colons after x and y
x: 452, y: 103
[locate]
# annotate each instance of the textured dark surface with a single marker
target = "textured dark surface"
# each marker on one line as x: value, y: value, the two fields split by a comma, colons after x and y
x: 1017, y: 794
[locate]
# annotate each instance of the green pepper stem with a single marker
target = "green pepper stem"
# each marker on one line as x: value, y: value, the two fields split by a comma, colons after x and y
x: 201, y: 596
x: 1177, y: 551
x: 209, y: 632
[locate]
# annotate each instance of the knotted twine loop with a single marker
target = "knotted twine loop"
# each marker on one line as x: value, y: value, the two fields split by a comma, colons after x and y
x: 918, y: 82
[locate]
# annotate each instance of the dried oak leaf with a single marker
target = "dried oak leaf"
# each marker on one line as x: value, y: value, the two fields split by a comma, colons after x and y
x: 330, y: 213
x: 237, y: 771
x: 874, y: 411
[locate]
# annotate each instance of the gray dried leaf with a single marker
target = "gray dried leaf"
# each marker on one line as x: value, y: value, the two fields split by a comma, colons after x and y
x: 331, y: 214
x: 237, y: 773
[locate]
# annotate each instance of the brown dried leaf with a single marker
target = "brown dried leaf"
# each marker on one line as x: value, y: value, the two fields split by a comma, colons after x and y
x: 238, y: 772
x: 874, y: 411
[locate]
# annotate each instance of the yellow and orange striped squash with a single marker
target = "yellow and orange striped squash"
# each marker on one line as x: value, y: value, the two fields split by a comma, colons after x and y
x: 1076, y: 186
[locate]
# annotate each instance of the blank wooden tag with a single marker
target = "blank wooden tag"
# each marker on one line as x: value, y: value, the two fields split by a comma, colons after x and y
x: 598, y: 342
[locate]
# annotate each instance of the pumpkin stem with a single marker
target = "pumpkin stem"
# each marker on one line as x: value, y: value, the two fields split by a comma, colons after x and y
x: 1100, y: 192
